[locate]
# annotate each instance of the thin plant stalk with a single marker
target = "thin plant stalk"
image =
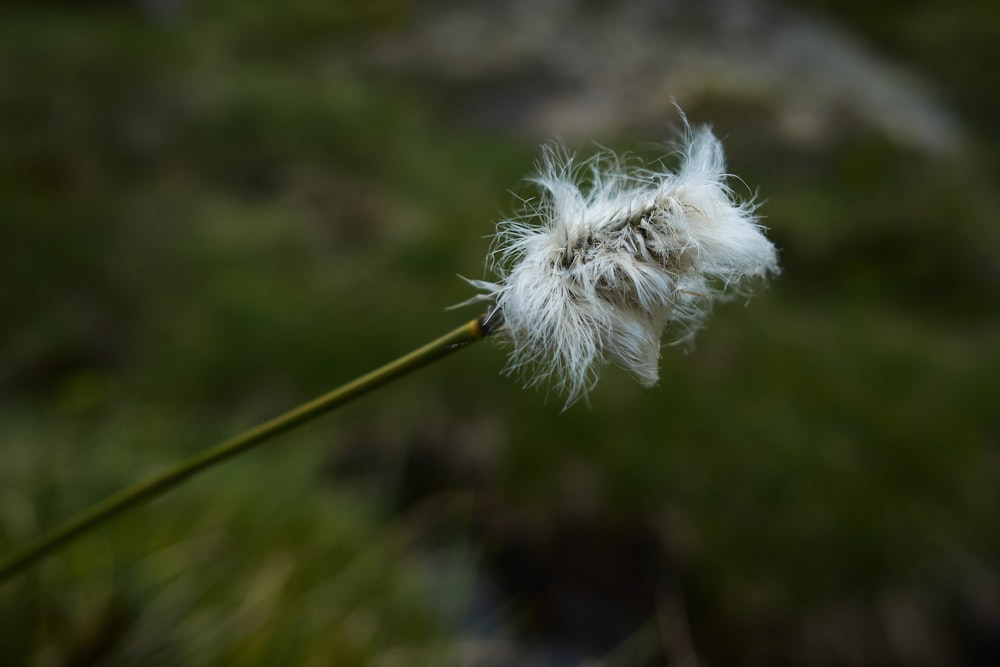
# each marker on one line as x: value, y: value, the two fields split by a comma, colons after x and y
x: 146, y: 490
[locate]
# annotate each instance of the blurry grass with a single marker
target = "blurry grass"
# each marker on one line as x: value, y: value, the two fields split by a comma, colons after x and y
x: 206, y: 221
x: 261, y: 563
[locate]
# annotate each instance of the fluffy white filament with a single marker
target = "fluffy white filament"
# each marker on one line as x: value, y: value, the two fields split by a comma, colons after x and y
x: 612, y: 254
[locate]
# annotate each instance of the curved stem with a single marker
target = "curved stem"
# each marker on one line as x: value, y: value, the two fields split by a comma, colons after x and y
x: 159, y: 484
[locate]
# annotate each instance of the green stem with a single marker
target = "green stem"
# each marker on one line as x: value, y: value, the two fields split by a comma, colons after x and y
x: 159, y: 484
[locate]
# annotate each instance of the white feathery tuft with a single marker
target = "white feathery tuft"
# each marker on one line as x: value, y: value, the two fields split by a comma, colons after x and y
x: 613, y: 254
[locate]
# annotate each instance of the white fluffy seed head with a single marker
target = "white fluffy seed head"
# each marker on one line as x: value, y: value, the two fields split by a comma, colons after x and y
x: 613, y: 254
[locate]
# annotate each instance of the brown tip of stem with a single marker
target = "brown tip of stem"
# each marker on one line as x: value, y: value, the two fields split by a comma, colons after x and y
x: 490, y: 322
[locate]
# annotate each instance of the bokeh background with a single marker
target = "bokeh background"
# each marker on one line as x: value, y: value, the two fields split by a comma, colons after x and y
x: 212, y: 210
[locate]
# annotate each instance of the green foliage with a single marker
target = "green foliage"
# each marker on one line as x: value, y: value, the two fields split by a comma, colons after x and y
x: 208, y: 217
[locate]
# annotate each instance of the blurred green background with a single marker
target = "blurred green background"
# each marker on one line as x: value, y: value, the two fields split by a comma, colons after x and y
x: 211, y: 211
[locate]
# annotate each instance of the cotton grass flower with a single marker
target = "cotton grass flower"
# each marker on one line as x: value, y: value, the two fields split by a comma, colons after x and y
x: 607, y: 259
x: 612, y: 255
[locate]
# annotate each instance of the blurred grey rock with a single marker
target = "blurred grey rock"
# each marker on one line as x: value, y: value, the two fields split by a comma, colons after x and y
x: 585, y: 68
